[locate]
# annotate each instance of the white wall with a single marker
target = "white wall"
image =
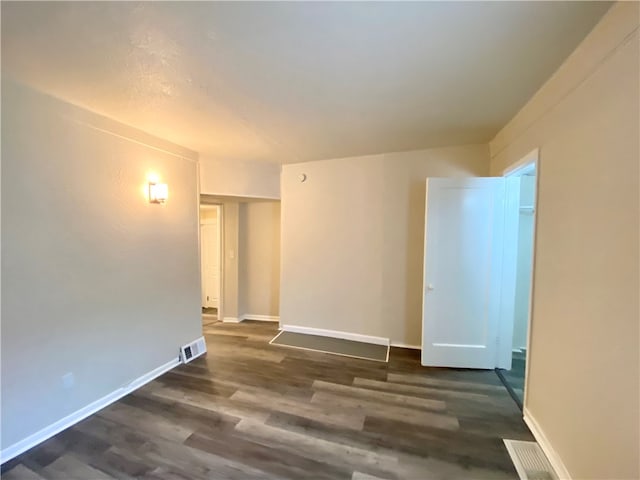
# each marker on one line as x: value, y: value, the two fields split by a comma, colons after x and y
x: 239, y: 179
x: 583, y: 383
x: 352, y: 239
x: 97, y: 281
x: 524, y: 262
x: 259, y: 259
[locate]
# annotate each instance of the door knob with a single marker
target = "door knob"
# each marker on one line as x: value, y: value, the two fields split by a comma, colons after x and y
x: 430, y: 286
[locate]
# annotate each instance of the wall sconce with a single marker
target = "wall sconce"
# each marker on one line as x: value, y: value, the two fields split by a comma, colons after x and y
x: 158, y: 192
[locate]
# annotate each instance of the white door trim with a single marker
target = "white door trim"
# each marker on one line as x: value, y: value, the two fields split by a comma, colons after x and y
x: 528, y: 163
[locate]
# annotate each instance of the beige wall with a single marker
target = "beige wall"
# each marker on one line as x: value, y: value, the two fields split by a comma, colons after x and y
x: 259, y: 257
x: 584, y: 365
x: 239, y: 179
x: 97, y: 282
x: 352, y: 239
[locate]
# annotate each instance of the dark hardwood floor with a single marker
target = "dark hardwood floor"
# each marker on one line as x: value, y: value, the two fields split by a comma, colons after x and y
x: 252, y: 410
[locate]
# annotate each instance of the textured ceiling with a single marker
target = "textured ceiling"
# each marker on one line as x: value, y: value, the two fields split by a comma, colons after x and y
x: 287, y: 82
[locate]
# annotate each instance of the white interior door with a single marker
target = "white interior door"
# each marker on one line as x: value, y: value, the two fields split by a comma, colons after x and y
x: 464, y: 233
x: 210, y: 258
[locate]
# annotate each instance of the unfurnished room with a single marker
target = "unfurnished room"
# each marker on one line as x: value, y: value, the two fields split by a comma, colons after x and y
x: 320, y: 240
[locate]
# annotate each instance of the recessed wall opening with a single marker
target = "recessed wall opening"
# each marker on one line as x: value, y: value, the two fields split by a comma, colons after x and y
x: 240, y: 259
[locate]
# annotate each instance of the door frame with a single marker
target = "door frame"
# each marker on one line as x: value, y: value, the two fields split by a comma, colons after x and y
x: 220, y: 223
x: 531, y: 161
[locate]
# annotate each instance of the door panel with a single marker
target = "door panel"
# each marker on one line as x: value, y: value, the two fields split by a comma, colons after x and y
x: 210, y: 263
x: 462, y: 277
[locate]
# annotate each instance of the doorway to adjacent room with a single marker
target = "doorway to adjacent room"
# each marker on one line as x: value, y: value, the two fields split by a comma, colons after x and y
x: 210, y: 260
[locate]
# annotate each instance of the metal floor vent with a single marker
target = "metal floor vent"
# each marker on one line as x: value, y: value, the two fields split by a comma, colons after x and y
x: 192, y: 350
x: 530, y: 461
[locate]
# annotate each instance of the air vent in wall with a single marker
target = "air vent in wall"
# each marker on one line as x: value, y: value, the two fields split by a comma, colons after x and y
x: 530, y: 461
x: 192, y: 350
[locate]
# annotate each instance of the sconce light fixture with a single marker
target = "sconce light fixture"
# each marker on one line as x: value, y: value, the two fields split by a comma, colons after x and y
x: 158, y: 192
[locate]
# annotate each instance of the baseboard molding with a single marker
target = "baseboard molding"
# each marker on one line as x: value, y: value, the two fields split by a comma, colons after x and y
x: 356, y: 337
x: 260, y: 318
x: 231, y: 320
x: 75, y: 417
x: 406, y: 345
x: 556, y: 462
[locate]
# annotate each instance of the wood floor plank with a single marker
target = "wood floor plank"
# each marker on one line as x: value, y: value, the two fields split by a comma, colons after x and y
x: 68, y: 467
x: 349, y: 418
x: 146, y: 422
x: 407, y: 441
x: 393, y: 398
x: 398, y: 413
x: 120, y: 464
x: 365, y: 476
x: 20, y: 472
x: 169, y: 459
x: 420, y: 391
x: 179, y: 379
x: 192, y: 417
x: 216, y: 404
x: 415, y: 468
x: 243, y: 351
x: 194, y: 462
x: 267, y: 458
x: 440, y: 382
x: 319, y: 449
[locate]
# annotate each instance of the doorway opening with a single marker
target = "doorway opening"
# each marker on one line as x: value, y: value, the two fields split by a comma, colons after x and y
x: 210, y: 261
x: 515, y: 378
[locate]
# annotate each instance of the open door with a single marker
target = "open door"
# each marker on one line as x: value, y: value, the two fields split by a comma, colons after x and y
x: 466, y: 265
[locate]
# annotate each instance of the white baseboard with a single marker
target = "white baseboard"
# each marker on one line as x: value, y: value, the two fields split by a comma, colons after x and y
x: 406, y: 345
x: 260, y: 318
x: 356, y: 337
x: 556, y: 462
x: 231, y: 320
x: 75, y: 417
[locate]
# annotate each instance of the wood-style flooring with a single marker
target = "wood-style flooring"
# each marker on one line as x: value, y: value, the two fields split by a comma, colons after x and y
x: 515, y: 376
x: 252, y: 410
